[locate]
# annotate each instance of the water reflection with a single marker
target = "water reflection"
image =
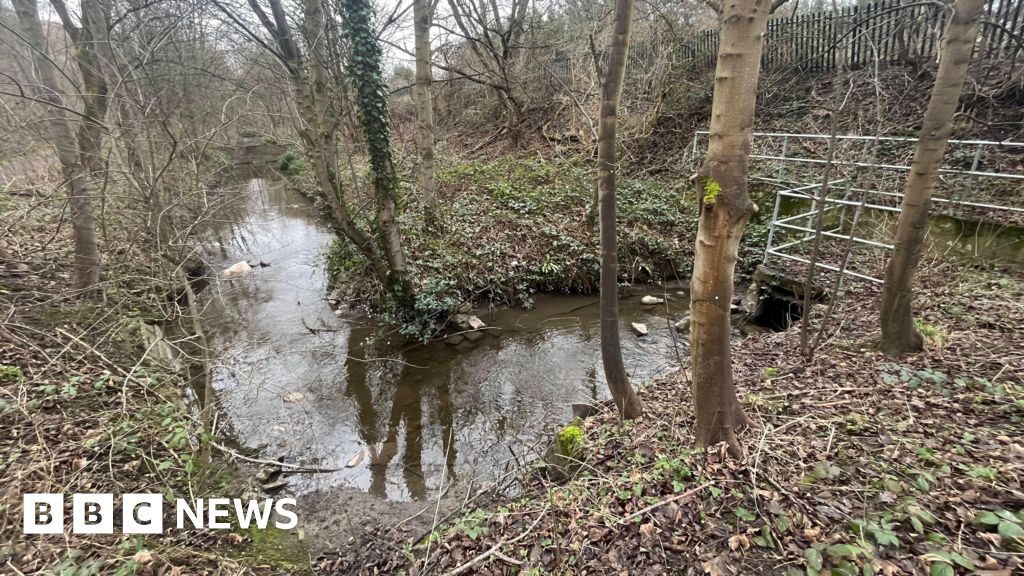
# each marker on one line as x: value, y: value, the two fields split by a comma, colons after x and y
x: 349, y: 392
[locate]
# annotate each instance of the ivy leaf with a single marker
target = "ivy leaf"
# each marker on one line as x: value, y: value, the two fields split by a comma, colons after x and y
x: 921, y: 483
x: 941, y: 569
x: 782, y: 523
x: 814, y: 560
x: 1010, y: 530
x: 744, y: 514
x: 986, y: 517
x: 886, y: 537
x: 845, y: 568
x: 916, y: 523
x: 843, y: 550
x: 963, y: 561
x: 924, y: 515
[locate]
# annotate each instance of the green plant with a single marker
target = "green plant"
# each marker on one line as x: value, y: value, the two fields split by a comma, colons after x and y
x: 915, y: 378
x: 291, y: 163
x: 1009, y: 526
x: 472, y: 525
x: 879, y: 530
x: 933, y: 335
x: 675, y: 470
x: 10, y: 374
x: 982, y: 472
x: 570, y: 439
x: 942, y: 562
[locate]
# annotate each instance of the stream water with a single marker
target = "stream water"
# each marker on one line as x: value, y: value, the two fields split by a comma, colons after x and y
x: 395, y: 417
x: 295, y: 380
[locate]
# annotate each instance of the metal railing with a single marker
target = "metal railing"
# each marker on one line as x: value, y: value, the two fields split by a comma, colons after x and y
x: 866, y: 188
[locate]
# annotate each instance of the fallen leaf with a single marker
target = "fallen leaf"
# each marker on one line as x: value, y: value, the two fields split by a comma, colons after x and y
x: 293, y: 396
x: 718, y: 566
x: 739, y: 541
x: 78, y: 463
x: 143, y: 557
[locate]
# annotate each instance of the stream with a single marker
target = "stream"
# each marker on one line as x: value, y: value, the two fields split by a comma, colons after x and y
x: 395, y: 417
x: 403, y: 422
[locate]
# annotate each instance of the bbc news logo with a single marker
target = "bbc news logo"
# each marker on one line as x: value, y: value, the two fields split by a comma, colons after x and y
x: 144, y: 513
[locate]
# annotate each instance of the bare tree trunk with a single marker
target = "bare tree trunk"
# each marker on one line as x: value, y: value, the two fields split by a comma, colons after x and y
x: 611, y: 351
x: 724, y: 211
x: 83, y: 223
x: 98, y: 65
x: 425, y: 109
x: 87, y: 38
x: 899, y: 335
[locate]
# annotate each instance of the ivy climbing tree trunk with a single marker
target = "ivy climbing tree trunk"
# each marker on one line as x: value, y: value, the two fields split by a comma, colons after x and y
x: 425, y: 109
x: 366, y: 75
x: 725, y: 208
x: 321, y: 121
x: 899, y: 335
x: 86, y: 267
x: 318, y: 120
x: 611, y: 351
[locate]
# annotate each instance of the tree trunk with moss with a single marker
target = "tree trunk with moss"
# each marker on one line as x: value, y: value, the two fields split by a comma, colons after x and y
x: 611, y: 350
x: 725, y: 208
x: 899, y: 335
x: 371, y: 98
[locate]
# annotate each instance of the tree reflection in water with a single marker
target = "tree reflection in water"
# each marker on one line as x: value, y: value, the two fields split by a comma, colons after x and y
x: 371, y: 379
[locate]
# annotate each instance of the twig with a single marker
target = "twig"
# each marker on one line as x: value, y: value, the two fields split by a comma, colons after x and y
x: 507, y: 558
x: 496, y: 549
x: 437, y: 506
x: 663, y: 502
x: 316, y: 330
x: 291, y: 468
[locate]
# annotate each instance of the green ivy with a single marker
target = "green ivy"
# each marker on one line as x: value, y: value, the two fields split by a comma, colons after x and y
x: 371, y: 98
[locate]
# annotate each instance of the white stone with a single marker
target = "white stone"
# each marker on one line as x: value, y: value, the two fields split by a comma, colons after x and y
x: 683, y: 325
x: 293, y: 396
